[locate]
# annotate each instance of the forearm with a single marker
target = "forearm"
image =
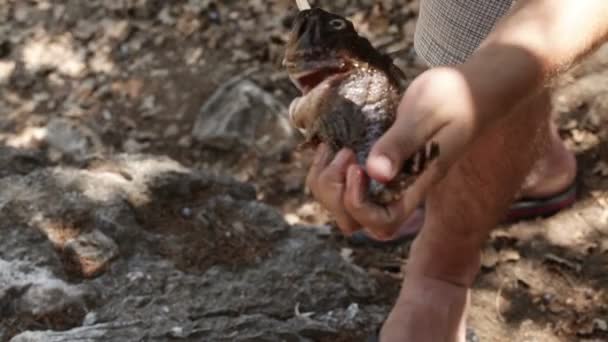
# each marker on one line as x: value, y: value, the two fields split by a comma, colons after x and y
x: 556, y: 32
x: 531, y: 44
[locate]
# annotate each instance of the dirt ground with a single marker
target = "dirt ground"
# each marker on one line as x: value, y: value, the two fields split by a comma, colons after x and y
x: 136, y: 72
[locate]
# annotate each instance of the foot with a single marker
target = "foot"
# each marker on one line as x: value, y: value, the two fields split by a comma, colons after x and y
x: 427, y: 310
x: 552, y: 174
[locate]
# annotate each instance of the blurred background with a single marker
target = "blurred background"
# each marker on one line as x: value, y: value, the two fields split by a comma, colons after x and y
x: 171, y: 96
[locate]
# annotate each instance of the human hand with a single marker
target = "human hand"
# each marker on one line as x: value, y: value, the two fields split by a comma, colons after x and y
x: 443, y: 106
x: 327, y: 181
x: 440, y: 106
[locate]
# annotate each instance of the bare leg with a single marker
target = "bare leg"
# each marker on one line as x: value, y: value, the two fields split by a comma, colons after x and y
x: 462, y: 210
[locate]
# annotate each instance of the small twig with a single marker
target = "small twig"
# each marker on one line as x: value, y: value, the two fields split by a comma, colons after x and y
x: 303, y: 5
x: 305, y: 315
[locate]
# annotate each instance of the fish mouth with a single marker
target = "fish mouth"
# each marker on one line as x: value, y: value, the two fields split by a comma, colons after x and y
x: 307, y: 75
x: 308, y: 80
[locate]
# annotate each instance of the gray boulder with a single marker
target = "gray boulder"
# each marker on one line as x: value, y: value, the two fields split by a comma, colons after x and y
x: 242, y: 116
x: 141, y: 248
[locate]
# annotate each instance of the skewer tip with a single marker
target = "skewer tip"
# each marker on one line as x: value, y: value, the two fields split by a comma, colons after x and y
x: 303, y: 5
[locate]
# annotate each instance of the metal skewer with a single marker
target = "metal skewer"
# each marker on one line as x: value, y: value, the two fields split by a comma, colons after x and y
x: 303, y: 5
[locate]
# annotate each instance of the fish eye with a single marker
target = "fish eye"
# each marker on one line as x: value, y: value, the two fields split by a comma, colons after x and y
x: 337, y: 24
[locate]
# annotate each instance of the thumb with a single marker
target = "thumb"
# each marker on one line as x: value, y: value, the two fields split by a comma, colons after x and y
x: 390, y: 151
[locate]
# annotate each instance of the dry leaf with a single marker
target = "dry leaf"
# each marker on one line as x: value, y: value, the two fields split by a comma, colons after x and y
x: 601, y: 168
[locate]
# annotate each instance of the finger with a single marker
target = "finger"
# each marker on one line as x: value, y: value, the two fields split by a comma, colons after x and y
x: 327, y: 183
x: 346, y: 223
x: 407, y: 135
x: 335, y: 172
x: 383, y: 221
x: 434, y: 172
x: 331, y: 185
x: 319, y: 162
x: 396, y: 215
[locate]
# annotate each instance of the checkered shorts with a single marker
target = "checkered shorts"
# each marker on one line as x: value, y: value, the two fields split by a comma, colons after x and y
x: 448, y: 31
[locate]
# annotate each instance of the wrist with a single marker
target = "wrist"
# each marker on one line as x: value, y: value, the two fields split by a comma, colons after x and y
x: 500, y: 78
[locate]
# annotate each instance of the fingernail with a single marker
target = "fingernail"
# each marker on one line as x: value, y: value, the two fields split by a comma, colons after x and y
x: 341, y: 158
x: 382, y: 165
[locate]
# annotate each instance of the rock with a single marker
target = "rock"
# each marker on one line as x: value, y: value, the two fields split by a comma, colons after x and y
x: 171, y: 131
x: 101, y: 332
x: 19, y: 161
x: 89, y: 254
x: 242, y: 115
x: 73, y: 138
x: 133, y: 146
x: 231, y: 269
x: 33, y: 295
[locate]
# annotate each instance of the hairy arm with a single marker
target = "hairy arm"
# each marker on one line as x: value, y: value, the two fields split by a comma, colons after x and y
x: 535, y: 41
x: 454, y: 105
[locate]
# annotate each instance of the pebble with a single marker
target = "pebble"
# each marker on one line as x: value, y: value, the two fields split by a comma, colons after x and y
x: 90, y: 318
x: 186, y: 212
x: 178, y: 332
